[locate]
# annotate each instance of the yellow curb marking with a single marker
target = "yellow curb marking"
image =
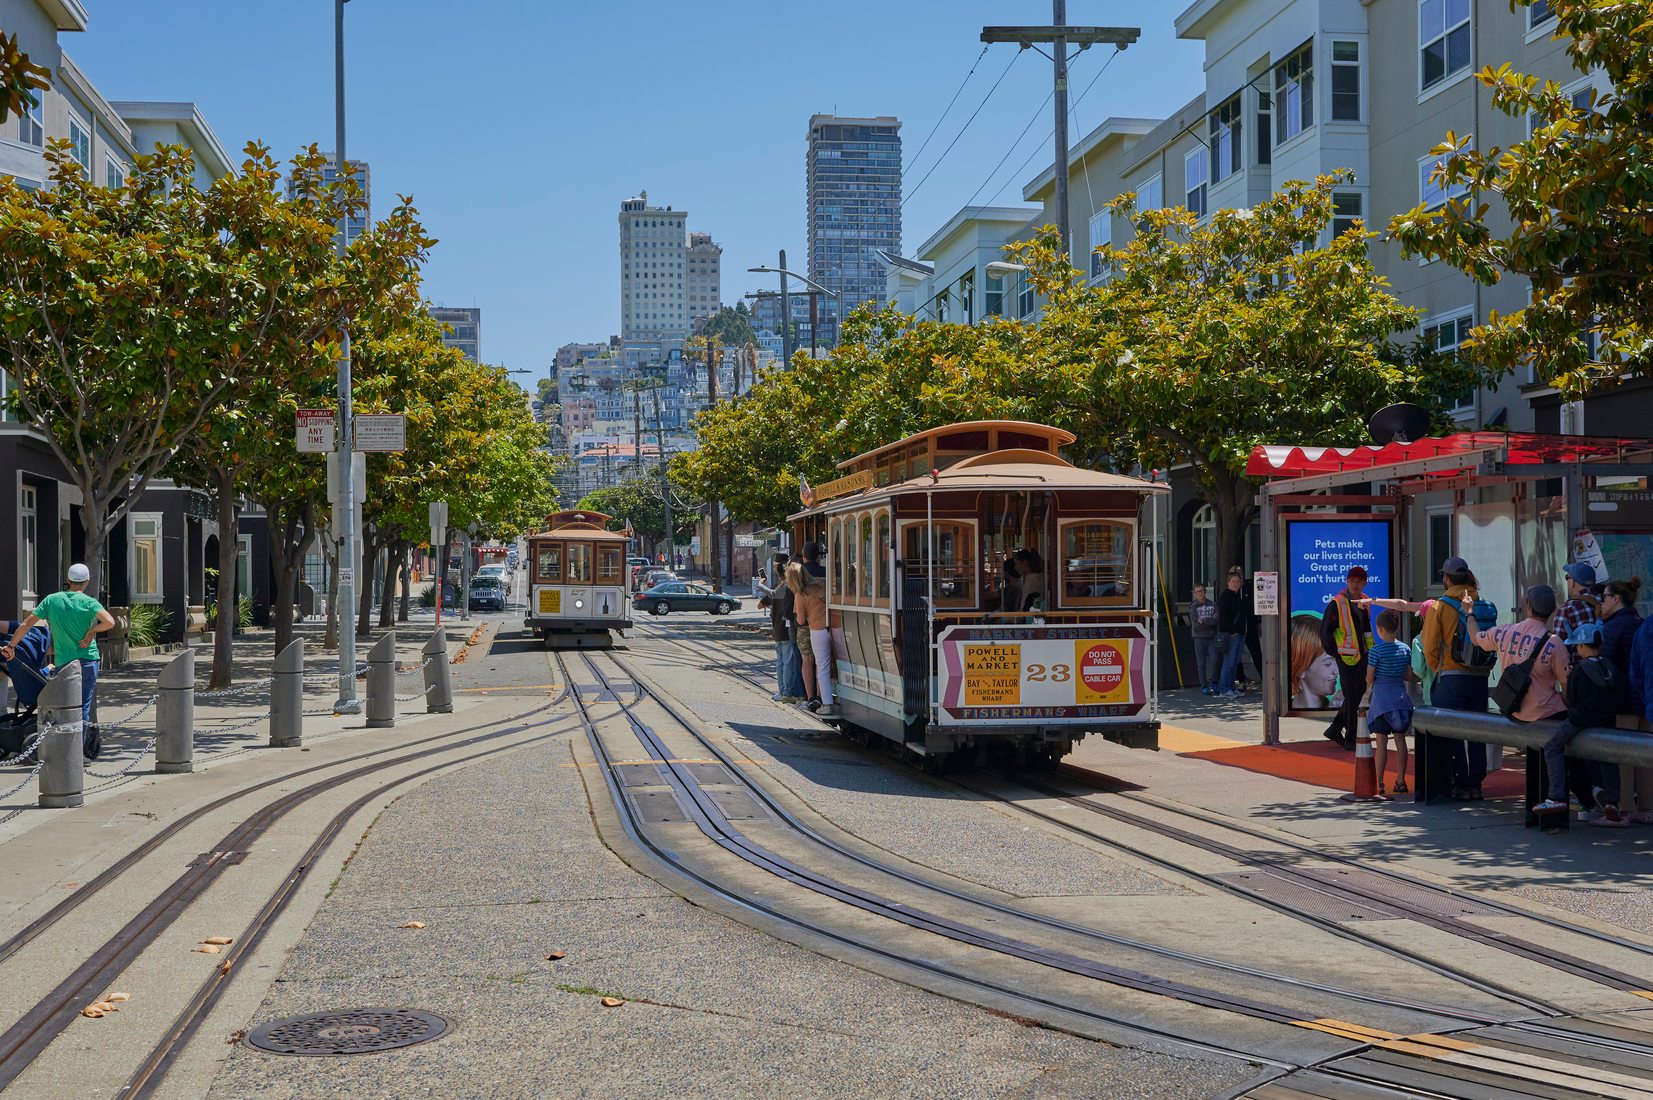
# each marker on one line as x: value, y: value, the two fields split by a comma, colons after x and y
x: 1181, y: 739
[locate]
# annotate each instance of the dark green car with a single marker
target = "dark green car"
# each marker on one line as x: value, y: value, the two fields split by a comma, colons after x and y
x: 671, y: 596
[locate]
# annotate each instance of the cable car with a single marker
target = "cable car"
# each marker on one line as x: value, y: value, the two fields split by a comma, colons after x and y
x: 987, y: 597
x: 577, y: 590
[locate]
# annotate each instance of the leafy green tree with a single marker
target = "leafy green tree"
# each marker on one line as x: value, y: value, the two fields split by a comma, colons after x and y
x: 731, y: 325
x: 21, y: 80
x: 1575, y: 198
x: 639, y: 501
x: 1208, y: 339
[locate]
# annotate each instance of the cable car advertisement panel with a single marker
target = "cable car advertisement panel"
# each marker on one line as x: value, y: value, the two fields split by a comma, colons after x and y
x: 1007, y: 675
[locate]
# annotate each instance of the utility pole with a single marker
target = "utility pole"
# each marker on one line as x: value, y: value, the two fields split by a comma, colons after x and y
x: 665, y: 482
x: 636, y: 429
x: 1059, y: 35
x: 344, y: 521
x: 786, y: 318
x: 714, y: 554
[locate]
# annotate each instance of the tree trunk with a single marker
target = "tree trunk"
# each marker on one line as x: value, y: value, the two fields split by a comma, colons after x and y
x: 292, y: 530
x: 364, y: 581
x: 1233, y: 507
x: 407, y: 582
x: 97, y: 538
x: 223, y: 627
x: 387, y: 600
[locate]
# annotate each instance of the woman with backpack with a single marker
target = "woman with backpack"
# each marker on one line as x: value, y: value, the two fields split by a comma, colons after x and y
x: 1460, y: 669
x: 1532, y: 665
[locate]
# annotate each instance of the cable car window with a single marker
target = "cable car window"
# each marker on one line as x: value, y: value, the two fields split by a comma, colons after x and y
x: 548, y: 567
x: 869, y: 556
x: 883, y: 555
x: 837, y: 556
x: 609, y: 563
x: 962, y: 441
x: 579, y: 563
x: 1023, y: 441
x: 847, y: 593
x: 955, y: 563
x: 1096, y: 562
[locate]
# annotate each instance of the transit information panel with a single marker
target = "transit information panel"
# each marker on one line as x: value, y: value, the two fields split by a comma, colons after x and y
x: 1011, y: 675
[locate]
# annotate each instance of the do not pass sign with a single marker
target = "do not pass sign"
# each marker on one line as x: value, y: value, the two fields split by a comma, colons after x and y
x: 1103, y: 668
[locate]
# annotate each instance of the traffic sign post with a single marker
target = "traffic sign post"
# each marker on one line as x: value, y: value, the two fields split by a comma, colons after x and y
x: 316, y: 431
x: 438, y: 545
x: 381, y: 432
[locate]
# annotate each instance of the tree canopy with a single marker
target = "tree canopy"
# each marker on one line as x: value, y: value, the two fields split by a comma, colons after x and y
x: 731, y: 326
x: 639, y: 500
x: 1576, y: 197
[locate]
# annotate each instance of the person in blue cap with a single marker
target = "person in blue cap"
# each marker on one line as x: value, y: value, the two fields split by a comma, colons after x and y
x: 1592, y: 691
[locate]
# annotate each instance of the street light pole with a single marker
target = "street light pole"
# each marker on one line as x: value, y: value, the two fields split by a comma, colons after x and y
x: 786, y: 316
x: 345, y: 521
x: 786, y: 307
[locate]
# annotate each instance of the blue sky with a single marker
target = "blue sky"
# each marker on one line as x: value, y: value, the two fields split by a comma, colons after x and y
x: 518, y: 126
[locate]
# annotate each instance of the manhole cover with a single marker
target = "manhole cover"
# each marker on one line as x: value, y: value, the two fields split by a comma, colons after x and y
x: 352, y: 1031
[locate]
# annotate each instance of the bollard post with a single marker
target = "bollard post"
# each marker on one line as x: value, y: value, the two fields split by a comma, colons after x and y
x: 63, y: 749
x: 381, y: 683
x: 438, y: 677
x: 175, y: 716
x: 287, y: 697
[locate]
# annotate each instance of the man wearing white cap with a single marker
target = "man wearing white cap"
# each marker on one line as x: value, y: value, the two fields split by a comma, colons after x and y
x: 76, y: 619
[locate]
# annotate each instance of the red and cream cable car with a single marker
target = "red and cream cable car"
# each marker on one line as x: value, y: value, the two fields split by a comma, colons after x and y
x: 986, y: 594
x: 577, y: 590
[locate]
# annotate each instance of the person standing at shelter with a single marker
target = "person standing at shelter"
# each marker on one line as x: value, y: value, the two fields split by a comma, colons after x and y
x: 1231, y: 627
x: 1620, y: 623
x: 76, y: 619
x: 1449, y: 631
x: 1389, y: 664
x: 1592, y: 693
x: 1581, y: 606
x: 1346, y: 635
x: 1202, y: 621
x: 1528, y: 642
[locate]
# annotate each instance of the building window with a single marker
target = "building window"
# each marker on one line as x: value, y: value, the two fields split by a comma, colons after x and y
x: 1194, y: 177
x: 1265, y: 128
x: 1026, y: 296
x: 28, y: 540
x: 967, y: 297
x: 1151, y: 195
x: 1101, y: 225
x: 1443, y: 40
x: 1345, y: 81
x: 80, y: 146
x: 1224, y: 140
x: 1539, y: 13
x: 31, y: 122
x: 1347, y: 210
x: 1445, y: 335
x: 114, y: 173
x: 145, y: 556
x: 1294, y: 94
x: 1204, y: 556
x: 995, y: 295
x: 1432, y: 194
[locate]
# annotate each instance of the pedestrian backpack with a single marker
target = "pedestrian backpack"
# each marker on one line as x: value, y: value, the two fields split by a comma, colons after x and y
x: 1514, y: 681
x: 1481, y: 615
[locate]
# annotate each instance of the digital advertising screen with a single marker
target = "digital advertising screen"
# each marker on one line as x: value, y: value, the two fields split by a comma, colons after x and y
x: 1319, y: 553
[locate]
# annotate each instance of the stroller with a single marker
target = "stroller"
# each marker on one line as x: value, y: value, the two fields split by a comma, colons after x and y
x: 28, y: 670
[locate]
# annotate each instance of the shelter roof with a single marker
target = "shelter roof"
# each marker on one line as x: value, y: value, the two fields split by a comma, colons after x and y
x: 1455, y: 454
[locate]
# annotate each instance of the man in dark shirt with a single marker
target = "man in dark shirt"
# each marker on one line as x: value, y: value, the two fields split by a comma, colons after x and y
x: 1231, y: 628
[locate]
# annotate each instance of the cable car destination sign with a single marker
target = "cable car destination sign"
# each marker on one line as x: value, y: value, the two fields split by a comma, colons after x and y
x: 1025, y: 675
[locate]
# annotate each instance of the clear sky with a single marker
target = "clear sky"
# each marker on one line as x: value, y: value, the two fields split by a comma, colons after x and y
x: 518, y: 126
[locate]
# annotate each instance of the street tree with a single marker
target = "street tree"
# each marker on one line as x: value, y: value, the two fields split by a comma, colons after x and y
x: 731, y: 326
x: 1575, y: 197
x: 1207, y: 338
x: 21, y: 80
x: 639, y: 501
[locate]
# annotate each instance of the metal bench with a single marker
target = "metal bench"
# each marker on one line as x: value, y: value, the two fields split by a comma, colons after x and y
x: 1632, y: 747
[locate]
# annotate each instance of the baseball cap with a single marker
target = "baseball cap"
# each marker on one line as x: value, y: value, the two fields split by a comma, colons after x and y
x: 1454, y: 565
x: 1582, y: 573
x: 79, y: 574
x: 1588, y: 634
x: 1355, y: 571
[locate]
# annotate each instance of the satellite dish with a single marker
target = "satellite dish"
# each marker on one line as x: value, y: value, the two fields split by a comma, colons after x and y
x: 1403, y: 423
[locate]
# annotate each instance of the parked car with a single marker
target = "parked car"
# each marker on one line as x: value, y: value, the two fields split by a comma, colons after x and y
x: 659, y: 576
x: 638, y: 563
x: 676, y: 595
x: 492, y: 571
x: 487, y: 594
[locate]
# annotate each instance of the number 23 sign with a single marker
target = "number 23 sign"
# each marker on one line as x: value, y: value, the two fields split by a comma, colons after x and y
x: 1032, y: 674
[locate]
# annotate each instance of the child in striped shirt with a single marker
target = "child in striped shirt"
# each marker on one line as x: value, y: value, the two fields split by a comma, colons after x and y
x: 1389, y: 714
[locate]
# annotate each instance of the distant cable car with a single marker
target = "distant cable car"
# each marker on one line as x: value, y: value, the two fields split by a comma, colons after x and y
x: 577, y: 586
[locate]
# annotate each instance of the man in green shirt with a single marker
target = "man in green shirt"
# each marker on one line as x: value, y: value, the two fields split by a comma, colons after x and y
x: 75, y: 619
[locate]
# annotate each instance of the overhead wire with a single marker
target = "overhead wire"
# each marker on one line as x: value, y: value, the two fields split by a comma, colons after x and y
x: 945, y: 112
x: 963, y: 129
x: 1080, y: 99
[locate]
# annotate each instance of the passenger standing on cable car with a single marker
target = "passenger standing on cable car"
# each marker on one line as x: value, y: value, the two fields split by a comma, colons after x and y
x: 1346, y: 634
x: 1030, y: 582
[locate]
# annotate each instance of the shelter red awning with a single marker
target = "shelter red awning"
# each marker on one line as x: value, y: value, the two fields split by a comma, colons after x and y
x: 1517, y: 447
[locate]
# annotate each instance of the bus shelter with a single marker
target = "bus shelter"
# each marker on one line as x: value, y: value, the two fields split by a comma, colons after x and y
x: 1516, y: 506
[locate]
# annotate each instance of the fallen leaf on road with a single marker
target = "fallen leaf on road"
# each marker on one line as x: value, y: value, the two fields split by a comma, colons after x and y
x: 555, y: 955
x: 209, y: 949
x: 225, y: 968
x: 612, y: 1002
x: 93, y: 1012
x: 236, y: 1036
x: 219, y: 939
x: 412, y: 924
x: 117, y: 998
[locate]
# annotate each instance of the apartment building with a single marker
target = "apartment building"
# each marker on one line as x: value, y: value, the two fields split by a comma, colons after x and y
x: 704, y: 282
x: 462, y: 328
x: 654, y: 291
x: 853, y: 180
x: 158, y: 553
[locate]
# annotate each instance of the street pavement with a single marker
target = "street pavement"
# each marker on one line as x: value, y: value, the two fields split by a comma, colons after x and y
x: 502, y: 862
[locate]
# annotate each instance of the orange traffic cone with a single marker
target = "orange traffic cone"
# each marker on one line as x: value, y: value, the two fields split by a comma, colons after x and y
x: 1365, y: 767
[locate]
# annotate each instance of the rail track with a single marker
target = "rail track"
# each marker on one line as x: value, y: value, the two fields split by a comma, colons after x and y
x: 36, y: 1029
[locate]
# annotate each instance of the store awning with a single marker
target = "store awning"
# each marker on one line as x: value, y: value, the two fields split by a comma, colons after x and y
x: 1514, y: 448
